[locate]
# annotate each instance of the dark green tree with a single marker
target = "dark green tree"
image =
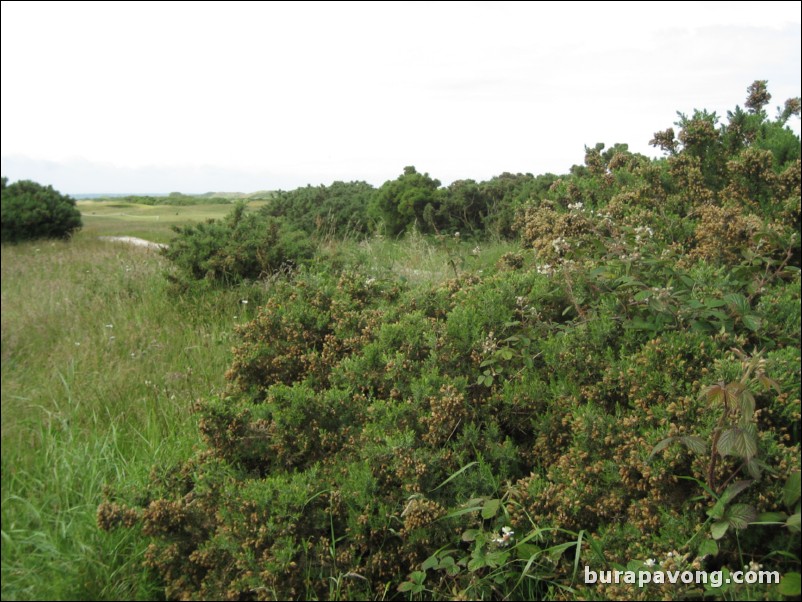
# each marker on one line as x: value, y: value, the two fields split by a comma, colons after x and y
x: 30, y: 211
x: 402, y: 203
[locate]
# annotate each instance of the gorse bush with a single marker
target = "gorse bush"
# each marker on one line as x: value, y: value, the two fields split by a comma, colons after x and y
x: 243, y: 246
x: 626, y: 388
x: 30, y: 211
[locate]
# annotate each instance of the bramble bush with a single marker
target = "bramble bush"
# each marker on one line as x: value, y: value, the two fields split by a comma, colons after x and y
x: 624, y: 389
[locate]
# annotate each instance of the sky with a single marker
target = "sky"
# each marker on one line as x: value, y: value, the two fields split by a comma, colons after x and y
x: 156, y: 97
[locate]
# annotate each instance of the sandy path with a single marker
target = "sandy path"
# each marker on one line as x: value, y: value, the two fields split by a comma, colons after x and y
x: 133, y: 240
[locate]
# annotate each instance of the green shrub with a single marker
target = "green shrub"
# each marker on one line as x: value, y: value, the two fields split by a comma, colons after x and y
x: 30, y: 211
x: 240, y: 247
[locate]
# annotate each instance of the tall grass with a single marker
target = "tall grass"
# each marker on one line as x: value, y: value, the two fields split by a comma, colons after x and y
x: 99, y: 368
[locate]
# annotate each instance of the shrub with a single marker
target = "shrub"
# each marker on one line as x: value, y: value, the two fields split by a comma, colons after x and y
x: 30, y: 211
x: 240, y: 247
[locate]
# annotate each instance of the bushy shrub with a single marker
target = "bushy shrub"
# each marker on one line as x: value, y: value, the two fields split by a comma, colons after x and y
x: 240, y: 247
x: 458, y: 440
x: 30, y: 211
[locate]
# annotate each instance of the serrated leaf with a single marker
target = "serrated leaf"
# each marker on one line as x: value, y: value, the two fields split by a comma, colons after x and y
x: 719, y: 529
x: 791, y: 584
x: 715, y: 394
x: 740, y: 515
x: 696, y: 444
x: 753, y: 323
x: 737, y: 302
x: 746, y: 403
x: 791, y: 491
x: 769, y: 383
x: 731, y: 492
x: 753, y: 468
x: 708, y: 548
x: 661, y: 446
x: 490, y: 509
x: 738, y: 441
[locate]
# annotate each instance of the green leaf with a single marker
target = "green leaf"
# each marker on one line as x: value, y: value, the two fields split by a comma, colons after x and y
x: 793, y: 522
x: 791, y: 584
x: 731, y: 492
x: 740, y: 515
x: 771, y: 517
x: 696, y: 444
x: 429, y: 563
x: 455, y: 475
x: 738, y: 303
x: 719, y: 529
x: 470, y: 534
x: 791, y: 491
x: 661, y: 446
x: 490, y: 508
x: 708, y: 547
x: 738, y: 441
x: 753, y: 323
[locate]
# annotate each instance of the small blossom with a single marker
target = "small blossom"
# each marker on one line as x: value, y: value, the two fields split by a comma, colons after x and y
x: 576, y: 206
x: 754, y: 566
x: 650, y: 562
x: 506, y: 536
x: 109, y: 325
x: 476, y: 250
x: 244, y: 301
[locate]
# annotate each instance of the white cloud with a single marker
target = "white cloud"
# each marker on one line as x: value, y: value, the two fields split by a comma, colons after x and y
x: 323, y: 91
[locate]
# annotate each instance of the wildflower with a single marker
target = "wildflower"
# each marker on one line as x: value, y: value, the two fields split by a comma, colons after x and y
x: 109, y: 325
x: 456, y: 234
x: 506, y: 536
x: 576, y: 206
x: 476, y: 250
x: 753, y: 566
x: 369, y: 281
x: 650, y: 562
x: 244, y: 301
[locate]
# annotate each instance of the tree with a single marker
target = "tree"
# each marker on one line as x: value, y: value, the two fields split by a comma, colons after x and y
x: 412, y: 198
x: 31, y: 210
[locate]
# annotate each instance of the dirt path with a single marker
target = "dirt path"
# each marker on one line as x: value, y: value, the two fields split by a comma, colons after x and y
x: 132, y: 240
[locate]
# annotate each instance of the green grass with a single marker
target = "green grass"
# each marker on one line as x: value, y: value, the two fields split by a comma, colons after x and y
x: 100, y: 365
x: 151, y: 222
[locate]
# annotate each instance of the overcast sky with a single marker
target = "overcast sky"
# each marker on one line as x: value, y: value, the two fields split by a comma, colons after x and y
x: 227, y: 96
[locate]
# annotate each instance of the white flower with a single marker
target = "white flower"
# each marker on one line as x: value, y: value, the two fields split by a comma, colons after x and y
x: 506, y: 536
x: 109, y: 325
x: 244, y: 301
x: 369, y: 281
x: 754, y: 566
x: 476, y: 250
x: 576, y: 206
x: 650, y: 562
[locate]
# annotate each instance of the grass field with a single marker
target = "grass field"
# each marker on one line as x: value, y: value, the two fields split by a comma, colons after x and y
x: 152, y: 222
x: 100, y: 365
